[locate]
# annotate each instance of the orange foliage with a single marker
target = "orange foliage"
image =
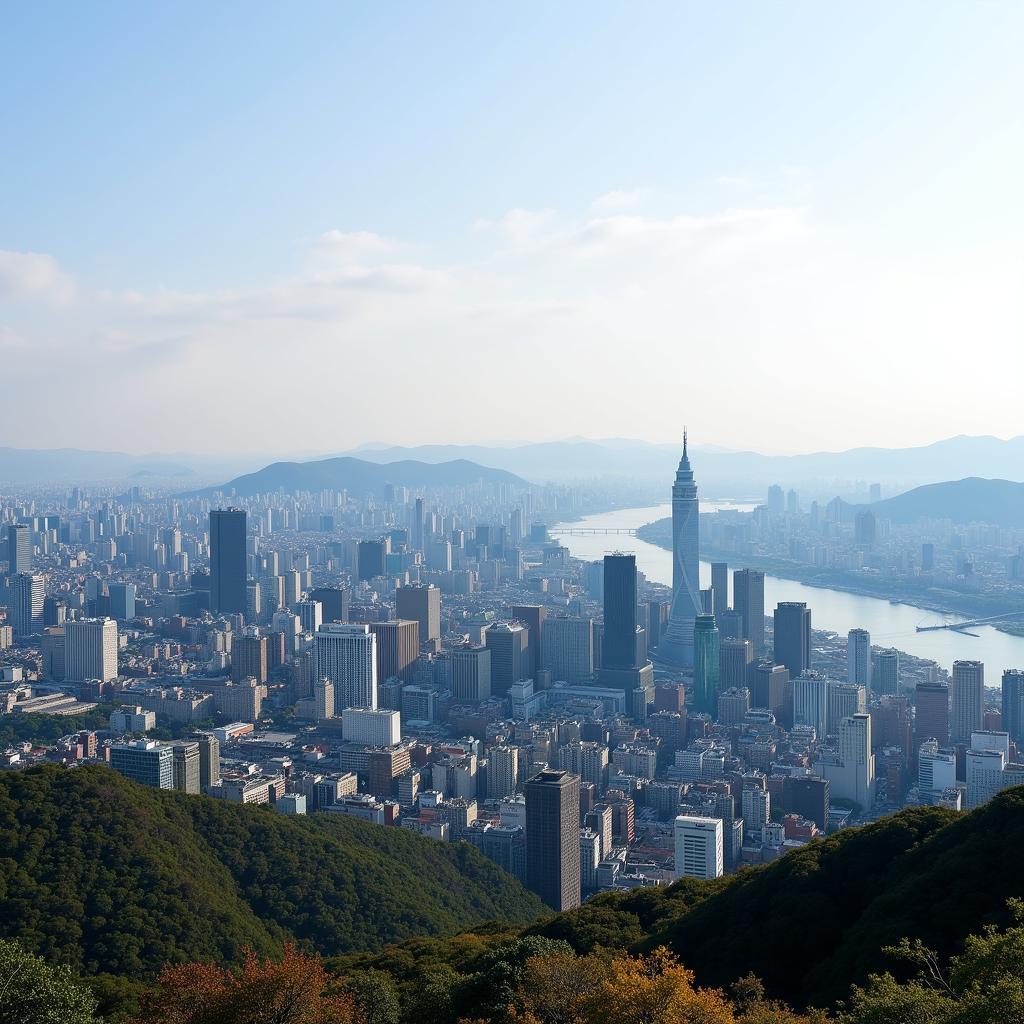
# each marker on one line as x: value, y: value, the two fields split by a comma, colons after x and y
x: 292, y: 990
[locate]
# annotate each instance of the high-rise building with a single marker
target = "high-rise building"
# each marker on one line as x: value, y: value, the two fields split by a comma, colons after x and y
x: 735, y: 659
x: 936, y: 768
x: 887, y: 672
x: 250, y: 656
x: 858, y: 657
x: 122, y: 601
x: 706, y: 657
x: 471, y: 673
x: 700, y: 847
x: 144, y: 761
x: 508, y: 643
x: 793, y: 636
x: 532, y: 616
x: 931, y: 714
x: 567, y: 648
x: 335, y: 603
x: 346, y: 654
x: 810, y: 702
x: 844, y: 701
x: 421, y: 602
x: 770, y: 687
x: 619, y: 643
x: 1013, y: 704
x: 748, y: 602
x: 968, y: 700
x: 376, y: 727
x: 851, y: 769
x: 26, y: 594
x: 90, y: 649
x: 676, y: 647
x: 324, y: 702
x: 227, y: 560
x: 553, y: 838
x: 808, y: 796
x: 311, y: 615
x: 209, y: 759
x: 371, y: 558
x: 719, y: 588
x: 19, y: 548
x: 187, y: 765
x: 398, y: 647
x: 502, y: 771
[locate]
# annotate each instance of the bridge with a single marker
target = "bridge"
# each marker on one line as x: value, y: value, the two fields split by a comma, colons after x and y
x: 959, y: 627
x: 588, y: 531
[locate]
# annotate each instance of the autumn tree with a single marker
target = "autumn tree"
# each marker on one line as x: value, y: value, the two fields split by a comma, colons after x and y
x: 292, y: 990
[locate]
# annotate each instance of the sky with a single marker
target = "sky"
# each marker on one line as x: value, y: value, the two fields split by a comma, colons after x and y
x: 263, y: 227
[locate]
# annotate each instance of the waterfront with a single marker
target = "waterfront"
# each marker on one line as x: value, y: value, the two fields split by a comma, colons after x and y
x: 890, y: 625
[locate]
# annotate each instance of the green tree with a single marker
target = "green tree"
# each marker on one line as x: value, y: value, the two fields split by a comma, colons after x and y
x: 375, y: 996
x: 33, y: 992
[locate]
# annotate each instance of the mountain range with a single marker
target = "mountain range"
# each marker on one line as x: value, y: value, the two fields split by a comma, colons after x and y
x: 720, y: 472
x: 973, y: 500
x: 361, y: 478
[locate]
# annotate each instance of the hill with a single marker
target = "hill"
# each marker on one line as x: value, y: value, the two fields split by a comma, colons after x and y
x: 361, y: 478
x: 723, y: 473
x: 810, y: 924
x: 113, y: 878
x: 972, y: 500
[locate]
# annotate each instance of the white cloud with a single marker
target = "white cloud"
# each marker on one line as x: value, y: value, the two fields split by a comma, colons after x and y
x: 34, y: 274
x: 519, y: 226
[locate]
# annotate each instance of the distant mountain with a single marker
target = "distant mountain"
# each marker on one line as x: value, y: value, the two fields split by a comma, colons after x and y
x: 361, y: 477
x: 71, y: 466
x: 111, y: 877
x: 974, y: 500
x: 722, y: 473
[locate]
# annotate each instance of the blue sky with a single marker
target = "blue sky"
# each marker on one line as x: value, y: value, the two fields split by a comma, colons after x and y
x: 606, y: 213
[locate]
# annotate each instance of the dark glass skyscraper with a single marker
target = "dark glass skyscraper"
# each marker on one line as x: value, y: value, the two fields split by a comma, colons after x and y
x: 619, y: 644
x: 19, y: 548
x: 1013, y: 704
x: 227, y: 560
x: 553, y: 838
x: 748, y: 601
x: 793, y: 636
x: 705, y: 665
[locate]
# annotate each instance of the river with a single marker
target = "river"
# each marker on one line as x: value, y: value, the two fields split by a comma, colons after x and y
x: 890, y: 625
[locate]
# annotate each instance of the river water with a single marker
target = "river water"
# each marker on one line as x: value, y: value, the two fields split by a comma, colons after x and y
x: 890, y: 625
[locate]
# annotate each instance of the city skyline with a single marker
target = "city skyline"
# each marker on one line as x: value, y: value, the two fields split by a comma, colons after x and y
x: 681, y: 192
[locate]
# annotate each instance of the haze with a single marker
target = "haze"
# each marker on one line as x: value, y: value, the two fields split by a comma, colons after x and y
x: 248, y: 228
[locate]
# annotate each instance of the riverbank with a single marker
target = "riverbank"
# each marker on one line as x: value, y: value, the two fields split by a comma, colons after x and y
x: 944, y: 602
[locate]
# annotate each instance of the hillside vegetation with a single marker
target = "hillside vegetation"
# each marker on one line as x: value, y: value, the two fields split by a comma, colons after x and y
x: 113, y: 878
x: 809, y: 925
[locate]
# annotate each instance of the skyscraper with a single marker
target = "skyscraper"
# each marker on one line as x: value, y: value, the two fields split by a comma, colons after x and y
x: 887, y: 672
x: 26, y: 593
x: 793, y: 636
x: 471, y: 673
x: 532, y: 616
x: 187, y: 767
x: 735, y: 658
x: 567, y: 648
x: 705, y: 665
x: 19, y: 548
x: 720, y: 587
x: 1013, y: 704
x: 250, y: 656
x: 508, y: 643
x: 968, y: 700
x: 144, y: 761
x: 676, y: 647
x: 423, y: 603
x: 553, y: 838
x: 748, y: 601
x: 700, y: 847
x: 931, y: 714
x: 398, y: 647
x: 90, y: 649
x: 346, y: 654
x: 858, y: 657
x: 227, y: 560
x: 335, y: 601
x: 620, y: 612
x: 122, y: 601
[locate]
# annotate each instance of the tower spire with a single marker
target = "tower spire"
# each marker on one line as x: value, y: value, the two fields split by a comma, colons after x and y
x: 684, y: 442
